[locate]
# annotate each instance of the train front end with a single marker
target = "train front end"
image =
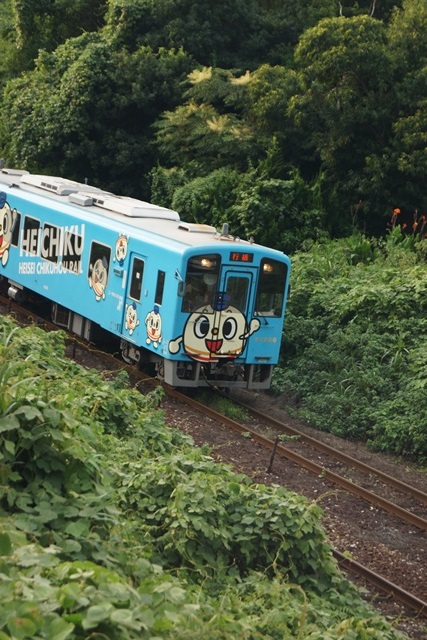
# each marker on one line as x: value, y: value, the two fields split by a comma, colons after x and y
x: 231, y: 305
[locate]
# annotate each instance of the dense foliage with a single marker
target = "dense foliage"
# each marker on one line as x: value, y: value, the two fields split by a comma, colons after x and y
x: 318, y: 104
x: 113, y: 525
x: 354, y: 353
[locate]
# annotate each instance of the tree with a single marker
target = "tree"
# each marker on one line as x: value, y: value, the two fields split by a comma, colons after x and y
x: 285, y: 21
x: 278, y: 212
x: 213, y: 32
x: 396, y: 175
x: 208, y: 199
x: 128, y: 22
x: 44, y: 24
x: 228, y: 153
x: 268, y: 97
x: 8, y: 62
x: 87, y: 111
x: 407, y: 35
x: 348, y: 99
x: 209, y: 130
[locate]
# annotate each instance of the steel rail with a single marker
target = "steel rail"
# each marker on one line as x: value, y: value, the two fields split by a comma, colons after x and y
x: 318, y: 469
x: 342, y: 457
x: 352, y: 566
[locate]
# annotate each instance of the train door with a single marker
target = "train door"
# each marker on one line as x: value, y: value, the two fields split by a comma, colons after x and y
x: 231, y: 308
x: 133, y: 318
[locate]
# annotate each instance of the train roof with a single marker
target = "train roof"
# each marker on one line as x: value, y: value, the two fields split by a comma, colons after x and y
x: 102, y: 206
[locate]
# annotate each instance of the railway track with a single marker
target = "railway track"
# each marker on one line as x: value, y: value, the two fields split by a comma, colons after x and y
x: 374, y: 476
x: 388, y: 588
x: 276, y: 448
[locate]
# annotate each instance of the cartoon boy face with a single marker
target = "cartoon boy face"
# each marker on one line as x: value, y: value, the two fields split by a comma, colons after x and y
x: 121, y: 249
x: 210, y: 336
x: 131, y: 321
x: 7, y: 222
x: 98, y: 277
x: 153, y: 322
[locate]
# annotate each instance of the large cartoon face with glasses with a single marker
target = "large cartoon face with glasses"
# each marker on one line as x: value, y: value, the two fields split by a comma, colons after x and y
x: 215, y: 332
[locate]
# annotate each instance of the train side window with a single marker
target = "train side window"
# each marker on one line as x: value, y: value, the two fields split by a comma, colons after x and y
x: 30, y: 236
x: 99, y: 264
x: 271, y: 288
x: 15, y: 231
x: 136, y: 279
x: 160, y: 286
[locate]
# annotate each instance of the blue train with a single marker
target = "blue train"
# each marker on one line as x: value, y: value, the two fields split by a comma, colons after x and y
x: 199, y: 305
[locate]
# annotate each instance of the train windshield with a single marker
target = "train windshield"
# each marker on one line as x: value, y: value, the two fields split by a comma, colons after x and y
x: 237, y: 289
x: 271, y: 288
x: 201, y: 281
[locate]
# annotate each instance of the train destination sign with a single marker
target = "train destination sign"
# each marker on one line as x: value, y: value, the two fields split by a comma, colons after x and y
x: 239, y: 256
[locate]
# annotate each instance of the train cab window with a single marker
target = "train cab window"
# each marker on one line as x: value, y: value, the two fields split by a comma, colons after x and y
x: 201, y: 281
x: 136, y: 279
x: 159, y: 287
x: 237, y: 290
x: 30, y: 236
x: 271, y: 288
x: 99, y: 265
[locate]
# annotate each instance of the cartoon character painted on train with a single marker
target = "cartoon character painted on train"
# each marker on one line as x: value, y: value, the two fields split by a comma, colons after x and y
x: 98, y: 277
x: 131, y: 318
x: 8, y: 218
x: 121, y: 249
x: 209, y: 335
x: 153, y: 323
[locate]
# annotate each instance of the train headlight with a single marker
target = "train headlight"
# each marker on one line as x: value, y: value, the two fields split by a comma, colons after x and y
x: 267, y: 267
x: 206, y: 262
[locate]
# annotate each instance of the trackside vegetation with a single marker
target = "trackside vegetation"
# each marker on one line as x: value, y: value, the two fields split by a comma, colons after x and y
x: 354, y: 353
x: 113, y: 525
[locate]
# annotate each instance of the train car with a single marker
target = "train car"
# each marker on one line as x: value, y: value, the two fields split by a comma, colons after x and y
x: 200, y: 306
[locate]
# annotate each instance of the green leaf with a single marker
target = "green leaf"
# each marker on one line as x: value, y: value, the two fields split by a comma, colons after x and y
x: 9, y: 423
x: 70, y: 594
x: 10, y: 446
x: 234, y: 487
x: 47, y: 514
x: 29, y: 412
x: 125, y: 617
x: 31, y: 555
x: 97, y: 614
x: 59, y: 629
x: 5, y: 544
x: 78, y: 529
x: 21, y: 628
